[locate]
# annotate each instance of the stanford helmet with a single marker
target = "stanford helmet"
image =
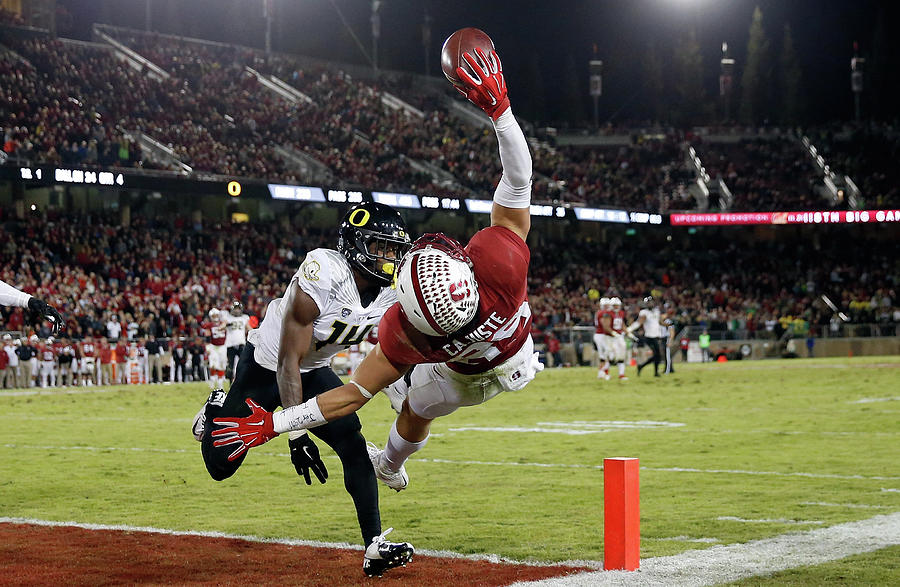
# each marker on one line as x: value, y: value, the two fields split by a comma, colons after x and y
x: 436, y: 286
x: 373, y: 232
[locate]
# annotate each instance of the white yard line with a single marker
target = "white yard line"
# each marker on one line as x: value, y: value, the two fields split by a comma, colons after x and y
x: 722, y: 564
x: 481, y: 463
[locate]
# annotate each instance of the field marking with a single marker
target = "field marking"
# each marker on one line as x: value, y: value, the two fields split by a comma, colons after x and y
x: 726, y: 563
x: 493, y: 558
x: 767, y: 520
x: 575, y: 428
x: 732, y: 367
x: 481, y: 463
x: 870, y: 400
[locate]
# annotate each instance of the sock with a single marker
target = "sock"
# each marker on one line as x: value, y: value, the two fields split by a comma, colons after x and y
x: 621, y: 368
x: 399, y: 449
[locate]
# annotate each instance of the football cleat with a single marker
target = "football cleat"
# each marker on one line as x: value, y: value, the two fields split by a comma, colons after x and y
x: 382, y: 555
x: 396, y: 480
x: 198, y: 426
x: 623, y: 377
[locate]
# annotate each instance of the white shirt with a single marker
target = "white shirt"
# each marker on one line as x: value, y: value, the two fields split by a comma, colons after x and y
x: 236, y: 329
x: 652, y: 328
x: 324, y: 275
x: 114, y: 329
x: 13, y: 357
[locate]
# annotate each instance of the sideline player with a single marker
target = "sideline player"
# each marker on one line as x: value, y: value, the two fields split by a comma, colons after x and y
x: 461, y: 333
x: 603, y: 337
x: 331, y: 303
x: 216, y: 354
x: 617, y: 343
x: 648, y: 319
x: 10, y: 296
x: 237, y: 324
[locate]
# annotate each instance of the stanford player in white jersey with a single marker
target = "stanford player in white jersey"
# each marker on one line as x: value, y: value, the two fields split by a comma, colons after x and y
x: 463, y: 315
x: 88, y: 363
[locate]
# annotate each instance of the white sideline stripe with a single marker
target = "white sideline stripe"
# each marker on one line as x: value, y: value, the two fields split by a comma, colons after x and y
x: 723, y: 564
x: 869, y: 400
x: 767, y: 520
x: 890, y: 490
x: 493, y: 558
x: 575, y: 428
x: 483, y: 463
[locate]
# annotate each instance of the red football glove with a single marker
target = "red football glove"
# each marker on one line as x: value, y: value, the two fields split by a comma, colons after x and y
x: 487, y: 89
x: 254, y: 430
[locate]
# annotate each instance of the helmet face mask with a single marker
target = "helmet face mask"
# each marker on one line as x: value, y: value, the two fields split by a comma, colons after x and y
x: 374, y: 239
x: 237, y: 308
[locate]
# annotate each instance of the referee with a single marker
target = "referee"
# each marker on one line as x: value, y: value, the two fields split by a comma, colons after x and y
x: 648, y: 319
x: 666, y: 338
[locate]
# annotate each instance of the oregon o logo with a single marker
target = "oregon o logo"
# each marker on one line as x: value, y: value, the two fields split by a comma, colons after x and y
x: 234, y: 189
x: 360, y: 217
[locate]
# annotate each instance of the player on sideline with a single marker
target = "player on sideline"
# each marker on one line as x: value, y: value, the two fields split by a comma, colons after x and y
x: 603, y: 337
x: 237, y: 324
x: 10, y: 296
x: 216, y: 353
x: 617, y: 344
x: 332, y: 302
x: 648, y: 319
x: 461, y: 333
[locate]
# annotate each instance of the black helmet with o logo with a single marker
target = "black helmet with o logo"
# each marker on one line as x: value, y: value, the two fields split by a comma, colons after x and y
x: 371, y: 232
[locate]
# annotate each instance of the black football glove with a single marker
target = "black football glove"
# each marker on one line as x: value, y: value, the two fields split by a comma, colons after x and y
x: 305, y: 456
x: 41, y: 310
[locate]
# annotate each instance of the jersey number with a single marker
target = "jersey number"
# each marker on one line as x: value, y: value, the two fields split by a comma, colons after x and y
x: 353, y: 336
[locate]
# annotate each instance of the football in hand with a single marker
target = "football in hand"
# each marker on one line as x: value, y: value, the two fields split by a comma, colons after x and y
x: 462, y: 41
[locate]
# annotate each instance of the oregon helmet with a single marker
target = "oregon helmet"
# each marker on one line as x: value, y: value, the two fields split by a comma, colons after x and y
x: 371, y: 232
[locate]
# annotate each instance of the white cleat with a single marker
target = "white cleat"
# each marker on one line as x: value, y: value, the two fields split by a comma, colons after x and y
x: 396, y: 480
x: 199, y: 424
x: 382, y: 555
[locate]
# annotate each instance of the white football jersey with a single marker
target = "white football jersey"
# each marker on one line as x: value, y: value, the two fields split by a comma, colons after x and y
x: 652, y: 329
x: 326, y: 276
x: 235, y: 329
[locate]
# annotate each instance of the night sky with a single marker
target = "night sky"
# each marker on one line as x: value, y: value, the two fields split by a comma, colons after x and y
x: 547, y: 32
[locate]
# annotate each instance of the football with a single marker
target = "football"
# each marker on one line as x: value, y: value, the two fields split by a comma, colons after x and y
x: 461, y: 41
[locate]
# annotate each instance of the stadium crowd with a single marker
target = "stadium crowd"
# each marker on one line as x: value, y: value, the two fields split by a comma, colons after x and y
x: 157, y: 279
x: 70, y: 102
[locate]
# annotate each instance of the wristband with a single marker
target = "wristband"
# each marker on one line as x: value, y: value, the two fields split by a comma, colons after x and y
x: 306, y: 415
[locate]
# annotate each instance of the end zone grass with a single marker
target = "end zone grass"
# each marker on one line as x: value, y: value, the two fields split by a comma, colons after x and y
x: 729, y: 453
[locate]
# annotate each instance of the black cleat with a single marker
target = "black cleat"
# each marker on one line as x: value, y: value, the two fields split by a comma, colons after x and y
x: 382, y: 555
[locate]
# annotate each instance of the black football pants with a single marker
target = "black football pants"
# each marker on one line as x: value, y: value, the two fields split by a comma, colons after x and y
x: 342, y: 435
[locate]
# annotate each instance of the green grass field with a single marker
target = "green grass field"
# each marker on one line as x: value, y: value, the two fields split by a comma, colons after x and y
x: 729, y: 453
